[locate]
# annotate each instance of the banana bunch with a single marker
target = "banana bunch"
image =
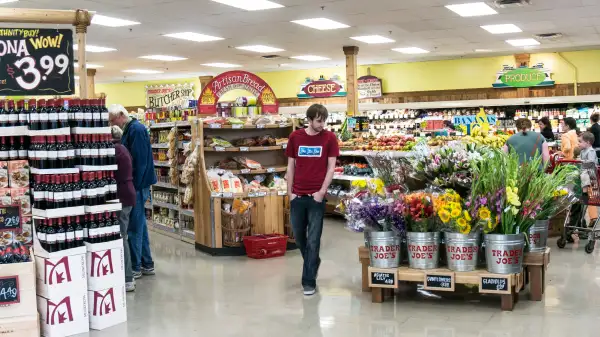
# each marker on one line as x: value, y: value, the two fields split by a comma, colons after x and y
x: 494, y: 141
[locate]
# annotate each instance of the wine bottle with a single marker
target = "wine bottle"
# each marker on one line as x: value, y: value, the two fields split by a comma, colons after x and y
x: 70, y: 233
x: 3, y: 114
x: 13, y: 152
x: 88, y: 117
x: 34, y: 115
x: 77, y: 190
x: 3, y: 149
x: 23, y: 114
x: 61, y: 235
x: 40, y: 231
x: 51, y: 237
x: 62, y: 152
x: 23, y: 153
x: 52, y: 153
x: 13, y: 115
x: 79, y: 232
x: 52, y: 114
x: 63, y: 114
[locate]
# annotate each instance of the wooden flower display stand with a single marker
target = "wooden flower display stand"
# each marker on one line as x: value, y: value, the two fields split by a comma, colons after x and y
x: 382, y: 282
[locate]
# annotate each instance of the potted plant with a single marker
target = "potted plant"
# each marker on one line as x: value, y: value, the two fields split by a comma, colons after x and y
x: 422, y: 236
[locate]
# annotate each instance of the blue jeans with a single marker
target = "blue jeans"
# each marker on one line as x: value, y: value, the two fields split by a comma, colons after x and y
x: 139, y: 244
x: 307, y: 224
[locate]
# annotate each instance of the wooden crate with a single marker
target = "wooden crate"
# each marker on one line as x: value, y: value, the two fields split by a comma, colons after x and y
x: 26, y: 306
x: 22, y: 326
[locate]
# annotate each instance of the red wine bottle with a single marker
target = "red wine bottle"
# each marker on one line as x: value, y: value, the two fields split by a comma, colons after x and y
x: 77, y: 190
x: 79, y: 232
x: 22, y: 149
x: 70, y: 233
x: 34, y: 115
x: 3, y: 114
x: 61, y: 235
x: 51, y: 237
x: 13, y: 114
x: 22, y: 112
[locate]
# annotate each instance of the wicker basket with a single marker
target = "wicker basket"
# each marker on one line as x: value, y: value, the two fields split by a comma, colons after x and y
x: 288, y: 226
x: 234, y: 227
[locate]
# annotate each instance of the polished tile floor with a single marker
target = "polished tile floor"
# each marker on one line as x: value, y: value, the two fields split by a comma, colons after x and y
x: 197, y: 295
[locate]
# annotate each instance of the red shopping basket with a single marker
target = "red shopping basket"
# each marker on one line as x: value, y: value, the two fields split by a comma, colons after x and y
x: 264, y: 246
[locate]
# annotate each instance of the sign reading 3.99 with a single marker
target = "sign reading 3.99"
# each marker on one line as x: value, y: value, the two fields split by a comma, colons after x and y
x: 36, y: 62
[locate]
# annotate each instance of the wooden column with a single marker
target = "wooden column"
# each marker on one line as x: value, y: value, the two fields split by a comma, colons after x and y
x: 91, y: 83
x: 351, y: 53
x: 522, y: 60
x: 82, y: 20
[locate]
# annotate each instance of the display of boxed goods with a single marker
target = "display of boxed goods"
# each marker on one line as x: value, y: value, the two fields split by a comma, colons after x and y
x: 108, y: 307
x: 105, y: 265
x: 64, y: 316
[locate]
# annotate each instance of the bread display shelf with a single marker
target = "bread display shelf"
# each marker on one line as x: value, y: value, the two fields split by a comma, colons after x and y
x: 217, y: 126
x: 244, y: 148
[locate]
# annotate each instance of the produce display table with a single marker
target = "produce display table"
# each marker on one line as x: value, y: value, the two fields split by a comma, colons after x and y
x: 535, y: 265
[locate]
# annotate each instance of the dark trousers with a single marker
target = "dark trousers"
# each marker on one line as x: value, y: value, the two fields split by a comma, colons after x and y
x: 307, y: 224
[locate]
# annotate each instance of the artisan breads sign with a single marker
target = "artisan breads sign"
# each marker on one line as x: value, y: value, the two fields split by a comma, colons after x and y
x: 169, y: 95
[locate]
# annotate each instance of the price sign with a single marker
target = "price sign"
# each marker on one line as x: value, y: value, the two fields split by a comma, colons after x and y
x: 284, y: 146
x: 260, y: 126
x: 36, y: 62
x: 215, y: 194
x: 251, y: 195
x: 281, y: 192
x: 261, y: 194
x: 219, y: 149
x: 283, y: 125
x: 237, y: 126
x: 439, y: 281
x: 270, y: 170
x: 245, y: 171
x: 384, y: 279
x: 495, y: 284
x: 10, y: 218
x: 215, y: 126
x: 9, y: 290
x: 244, y: 149
x: 228, y: 195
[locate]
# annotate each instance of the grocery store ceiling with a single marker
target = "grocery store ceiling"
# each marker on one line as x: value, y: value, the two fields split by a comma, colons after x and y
x: 425, y: 24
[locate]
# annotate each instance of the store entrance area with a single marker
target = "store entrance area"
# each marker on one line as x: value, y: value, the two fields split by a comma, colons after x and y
x: 194, y: 294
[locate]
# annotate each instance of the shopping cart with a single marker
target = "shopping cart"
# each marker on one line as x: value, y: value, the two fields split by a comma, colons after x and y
x: 592, y: 198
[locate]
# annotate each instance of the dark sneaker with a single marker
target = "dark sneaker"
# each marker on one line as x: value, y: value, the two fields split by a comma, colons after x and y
x: 137, y: 274
x: 309, y: 291
x: 148, y: 271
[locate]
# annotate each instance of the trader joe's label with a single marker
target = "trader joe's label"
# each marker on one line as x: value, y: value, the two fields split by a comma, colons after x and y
x: 170, y: 95
x: 36, y: 62
x: 369, y: 87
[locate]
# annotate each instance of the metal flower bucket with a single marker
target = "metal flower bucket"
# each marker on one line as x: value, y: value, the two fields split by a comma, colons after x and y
x: 538, y: 236
x: 504, y: 253
x: 384, y: 249
x: 423, y: 249
x: 462, y: 251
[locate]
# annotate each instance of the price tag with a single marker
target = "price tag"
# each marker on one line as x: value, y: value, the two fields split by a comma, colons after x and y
x: 228, y: 195
x: 215, y: 194
x: 494, y: 284
x: 251, y: 194
x: 439, y: 281
x: 260, y: 126
x: 385, y: 279
x: 215, y: 126
x: 237, y: 126
x: 284, y: 146
x: 10, y: 218
x: 270, y: 170
x: 244, y: 149
x: 283, y: 125
x: 261, y: 194
x: 281, y: 193
x: 245, y: 171
x: 9, y: 290
x: 219, y: 149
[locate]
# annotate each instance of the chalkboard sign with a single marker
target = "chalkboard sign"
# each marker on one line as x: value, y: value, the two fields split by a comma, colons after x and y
x: 439, y: 281
x: 494, y: 284
x: 10, y: 218
x: 9, y: 290
x: 384, y: 279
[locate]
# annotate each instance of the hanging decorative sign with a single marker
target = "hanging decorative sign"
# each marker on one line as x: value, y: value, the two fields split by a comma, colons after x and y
x: 237, y: 79
x: 536, y: 76
x: 333, y: 87
x: 169, y: 95
x: 36, y: 62
x: 369, y: 87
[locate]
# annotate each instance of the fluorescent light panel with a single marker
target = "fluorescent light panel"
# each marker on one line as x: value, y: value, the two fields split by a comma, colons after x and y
x: 250, y: 5
x: 260, y: 49
x: 411, y: 50
x: 166, y: 58
x: 523, y: 42
x: 89, y: 65
x: 482, y: 50
x: 103, y: 20
x: 502, y: 29
x: 191, y: 36
x: 372, y: 39
x: 321, y: 23
x: 7, y: 1
x: 94, y: 49
x: 472, y: 9
x: 221, y: 65
x: 142, y: 71
x: 310, y: 58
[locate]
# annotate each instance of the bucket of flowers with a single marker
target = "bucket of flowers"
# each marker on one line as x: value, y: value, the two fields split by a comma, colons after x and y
x: 422, y: 235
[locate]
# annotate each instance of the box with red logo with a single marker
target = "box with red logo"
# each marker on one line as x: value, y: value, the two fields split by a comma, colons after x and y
x: 61, y: 273
x: 64, y: 316
x: 105, y: 265
x: 108, y: 307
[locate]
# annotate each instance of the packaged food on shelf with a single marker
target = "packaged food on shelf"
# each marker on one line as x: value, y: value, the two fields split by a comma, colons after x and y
x: 165, y: 197
x: 3, y: 174
x: 18, y: 173
x: 21, y: 196
x: 217, y: 142
x: 248, y: 163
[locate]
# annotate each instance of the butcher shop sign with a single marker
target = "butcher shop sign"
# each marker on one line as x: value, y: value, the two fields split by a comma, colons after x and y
x: 169, y: 95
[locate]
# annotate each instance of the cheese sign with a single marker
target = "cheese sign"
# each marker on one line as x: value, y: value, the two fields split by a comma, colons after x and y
x: 321, y: 88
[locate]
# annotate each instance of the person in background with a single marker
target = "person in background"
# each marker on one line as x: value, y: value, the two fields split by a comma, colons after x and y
x: 137, y: 141
x: 527, y: 143
x: 546, y: 129
x: 569, y: 140
x: 312, y: 153
x: 595, y: 130
x: 126, y: 194
x: 587, y: 154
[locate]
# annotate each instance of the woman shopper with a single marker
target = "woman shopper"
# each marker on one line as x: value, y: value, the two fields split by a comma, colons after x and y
x: 546, y: 129
x: 527, y: 143
x: 126, y: 194
x: 595, y: 130
x: 569, y: 141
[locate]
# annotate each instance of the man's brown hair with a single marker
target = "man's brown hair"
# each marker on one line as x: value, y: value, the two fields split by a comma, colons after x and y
x: 316, y: 111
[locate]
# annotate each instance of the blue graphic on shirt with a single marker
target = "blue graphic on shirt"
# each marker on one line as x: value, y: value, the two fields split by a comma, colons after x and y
x: 310, y: 151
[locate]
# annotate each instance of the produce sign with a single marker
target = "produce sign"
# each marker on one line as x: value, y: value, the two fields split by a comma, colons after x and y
x: 10, y: 218
x: 170, y: 95
x: 232, y: 80
x: 439, y: 281
x: 9, y: 290
x: 536, y: 76
x: 36, y: 62
x: 385, y: 279
x: 369, y: 87
x: 494, y: 284
x: 322, y: 88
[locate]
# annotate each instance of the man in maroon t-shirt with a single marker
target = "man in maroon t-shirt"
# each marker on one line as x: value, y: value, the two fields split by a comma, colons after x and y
x: 311, y: 153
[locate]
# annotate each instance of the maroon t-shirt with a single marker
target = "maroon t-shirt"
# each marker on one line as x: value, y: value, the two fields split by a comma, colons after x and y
x: 311, y: 154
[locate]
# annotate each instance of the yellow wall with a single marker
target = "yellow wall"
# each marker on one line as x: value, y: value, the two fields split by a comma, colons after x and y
x: 399, y: 77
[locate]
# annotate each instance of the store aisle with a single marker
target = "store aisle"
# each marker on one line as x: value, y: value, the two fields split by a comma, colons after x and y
x: 197, y: 295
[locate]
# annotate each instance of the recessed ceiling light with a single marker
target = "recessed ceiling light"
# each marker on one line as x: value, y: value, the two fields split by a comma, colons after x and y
x: 260, y: 49
x: 250, y: 5
x: 103, y: 20
x: 472, y: 9
x: 94, y: 49
x: 89, y: 65
x: 502, y: 29
x: 310, y: 58
x: 190, y: 36
x: 7, y: 1
x: 163, y: 58
x: 411, y: 50
x: 321, y: 24
x: 372, y: 39
x: 221, y: 65
x: 523, y: 42
x: 482, y: 50
x: 142, y: 71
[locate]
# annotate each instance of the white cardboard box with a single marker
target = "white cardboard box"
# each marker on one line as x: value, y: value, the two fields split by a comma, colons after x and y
x: 64, y: 316
x: 22, y: 326
x: 109, y: 207
x: 59, y: 212
x: 105, y: 265
x: 25, y: 274
x: 58, y: 277
x: 108, y: 307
